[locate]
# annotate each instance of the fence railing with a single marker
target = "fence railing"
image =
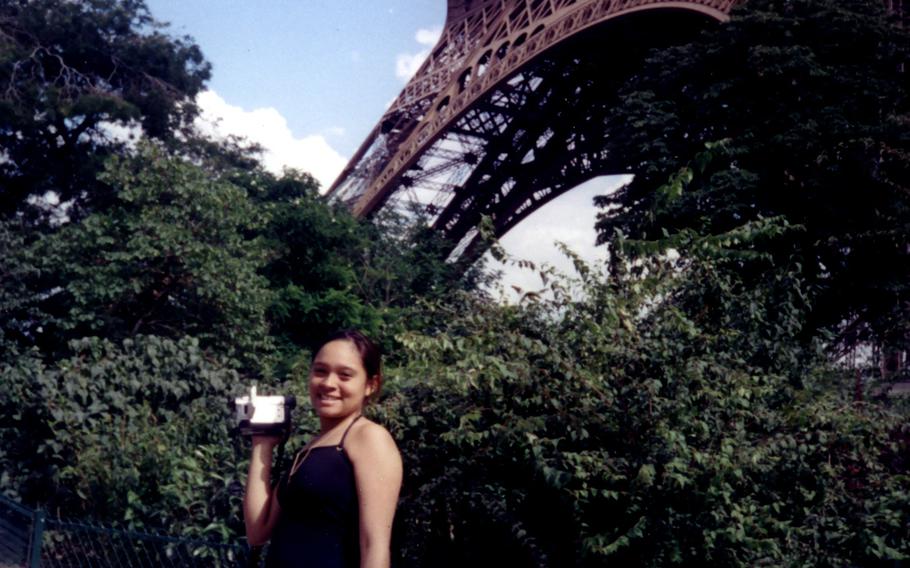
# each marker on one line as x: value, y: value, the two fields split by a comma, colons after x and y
x: 29, y: 538
x: 16, y: 528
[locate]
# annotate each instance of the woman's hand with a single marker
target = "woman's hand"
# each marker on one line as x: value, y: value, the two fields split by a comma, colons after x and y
x: 260, y: 503
x: 267, y: 443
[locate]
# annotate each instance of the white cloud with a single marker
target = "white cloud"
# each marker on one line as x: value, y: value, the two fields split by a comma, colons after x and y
x: 568, y: 219
x: 129, y: 133
x: 428, y: 36
x: 268, y: 128
x: 406, y: 64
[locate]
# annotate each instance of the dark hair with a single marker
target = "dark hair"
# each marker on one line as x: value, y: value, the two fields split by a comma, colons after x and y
x: 370, y: 355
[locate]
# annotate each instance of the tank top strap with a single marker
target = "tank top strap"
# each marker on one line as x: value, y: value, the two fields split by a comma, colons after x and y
x: 348, y: 429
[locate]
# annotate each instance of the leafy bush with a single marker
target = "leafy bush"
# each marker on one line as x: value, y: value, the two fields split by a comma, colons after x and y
x: 668, y: 417
x: 134, y: 433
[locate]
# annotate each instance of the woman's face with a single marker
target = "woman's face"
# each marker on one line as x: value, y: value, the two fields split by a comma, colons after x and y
x: 338, y: 381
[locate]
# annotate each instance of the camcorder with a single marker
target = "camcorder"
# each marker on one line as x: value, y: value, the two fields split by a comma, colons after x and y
x: 263, y: 415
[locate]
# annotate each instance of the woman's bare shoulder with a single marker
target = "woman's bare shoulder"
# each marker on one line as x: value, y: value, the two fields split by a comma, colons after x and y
x: 368, y: 437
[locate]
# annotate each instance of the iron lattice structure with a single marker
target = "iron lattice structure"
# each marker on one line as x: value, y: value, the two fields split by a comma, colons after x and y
x: 507, y: 111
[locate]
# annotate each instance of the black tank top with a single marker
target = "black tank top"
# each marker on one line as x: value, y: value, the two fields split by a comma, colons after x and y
x: 319, y: 521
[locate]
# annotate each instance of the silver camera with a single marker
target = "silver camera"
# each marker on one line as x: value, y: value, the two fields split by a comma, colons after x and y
x: 263, y: 415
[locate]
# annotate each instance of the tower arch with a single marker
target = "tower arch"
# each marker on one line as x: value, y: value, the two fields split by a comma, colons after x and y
x: 504, y: 114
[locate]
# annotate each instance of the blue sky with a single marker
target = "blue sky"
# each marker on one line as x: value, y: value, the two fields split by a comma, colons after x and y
x: 327, y: 66
x: 308, y: 80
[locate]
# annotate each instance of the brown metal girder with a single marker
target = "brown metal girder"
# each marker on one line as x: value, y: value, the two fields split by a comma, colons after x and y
x: 472, y: 251
x: 355, y: 159
x: 419, y: 177
x: 484, y: 201
x: 560, y: 178
x: 485, y: 114
x: 502, y: 138
x: 557, y: 109
x: 507, y: 112
x: 540, y: 173
x: 504, y: 143
x: 558, y: 82
x: 376, y: 191
x: 449, y: 158
x: 484, y: 128
x: 440, y: 153
x: 545, y: 171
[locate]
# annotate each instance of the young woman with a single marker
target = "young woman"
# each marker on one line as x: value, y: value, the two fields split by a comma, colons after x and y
x: 335, y: 506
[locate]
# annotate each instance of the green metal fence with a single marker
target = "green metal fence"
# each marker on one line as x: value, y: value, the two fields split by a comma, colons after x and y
x: 29, y: 538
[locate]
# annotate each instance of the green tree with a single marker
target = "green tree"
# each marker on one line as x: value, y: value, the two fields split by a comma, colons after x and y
x: 174, y: 254
x: 810, y: 97
x: 71, y: 75
x: 405, y: 260
x: 329, y: 271
x: 668, y: 417
x: 20, y: 314
x: 314, y: 250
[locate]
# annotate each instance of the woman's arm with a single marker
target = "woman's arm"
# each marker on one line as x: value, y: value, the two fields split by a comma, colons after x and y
x: 260, y: 502
x: 378, y: 473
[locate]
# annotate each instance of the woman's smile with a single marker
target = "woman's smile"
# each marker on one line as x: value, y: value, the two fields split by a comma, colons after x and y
x: 338, y: 382
x: 327, y: 399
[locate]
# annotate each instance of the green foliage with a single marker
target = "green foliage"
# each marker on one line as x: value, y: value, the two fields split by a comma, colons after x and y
x: 71, y: 74
x: 811, y: 100
x: 329, y: 271
x: 19, y: 312
x: 172, y: 255
x: 404, y: 261
x: 668, y: 417
x: 315, y: 250
x: 191, y: 274
x: 679, y: 410
x: 133, y: 433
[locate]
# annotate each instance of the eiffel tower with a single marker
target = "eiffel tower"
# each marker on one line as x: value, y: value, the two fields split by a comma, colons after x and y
x: 506, y: 112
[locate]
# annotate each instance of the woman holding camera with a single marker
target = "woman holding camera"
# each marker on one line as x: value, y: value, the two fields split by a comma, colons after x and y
x: 335, y: 506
